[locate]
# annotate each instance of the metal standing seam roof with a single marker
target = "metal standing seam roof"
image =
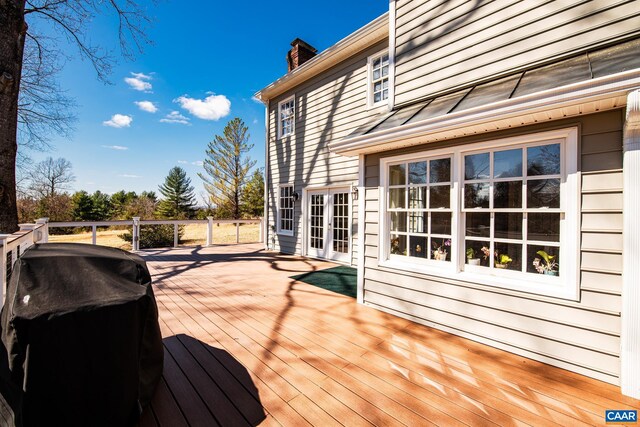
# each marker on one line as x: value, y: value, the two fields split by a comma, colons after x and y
x: 586, y: 66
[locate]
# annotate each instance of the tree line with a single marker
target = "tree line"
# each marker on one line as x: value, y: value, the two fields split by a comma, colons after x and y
x: 233, y: 191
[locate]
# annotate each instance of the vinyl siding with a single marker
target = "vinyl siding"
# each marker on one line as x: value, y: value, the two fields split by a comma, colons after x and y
x: 582, y: 336
x: 329, y: 106
x: 441, y: 45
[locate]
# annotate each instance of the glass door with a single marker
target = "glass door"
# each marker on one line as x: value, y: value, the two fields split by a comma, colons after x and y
x: 328, y: 224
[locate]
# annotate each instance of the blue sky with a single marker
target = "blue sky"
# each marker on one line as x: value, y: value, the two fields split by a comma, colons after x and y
x: 224, y: 51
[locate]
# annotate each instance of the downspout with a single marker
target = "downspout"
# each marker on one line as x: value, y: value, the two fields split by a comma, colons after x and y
x: 265, y: 222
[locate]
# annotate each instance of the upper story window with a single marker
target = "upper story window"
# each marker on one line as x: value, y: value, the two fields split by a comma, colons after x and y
x: 378, y: 79
x: 502, y: 213
x: 286, y: 117
x: 285, y: 209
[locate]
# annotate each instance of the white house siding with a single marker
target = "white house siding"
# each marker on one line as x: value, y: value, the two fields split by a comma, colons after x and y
x: 582, y: 336
x: 328, y: 106
x: 445, y: 44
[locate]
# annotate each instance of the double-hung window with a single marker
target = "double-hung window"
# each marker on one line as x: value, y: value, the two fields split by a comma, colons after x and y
x: 286, y: 117
x: 378, y: 79
x: 285, y: 209
x: 501, y: 213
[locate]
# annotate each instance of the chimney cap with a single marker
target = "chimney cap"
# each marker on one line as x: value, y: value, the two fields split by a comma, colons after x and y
x: 299, y: 42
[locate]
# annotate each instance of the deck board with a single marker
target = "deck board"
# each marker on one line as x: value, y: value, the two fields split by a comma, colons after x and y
x: 247, y: 345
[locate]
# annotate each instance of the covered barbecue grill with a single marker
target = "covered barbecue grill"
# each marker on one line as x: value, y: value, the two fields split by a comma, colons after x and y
x: 80, y: 338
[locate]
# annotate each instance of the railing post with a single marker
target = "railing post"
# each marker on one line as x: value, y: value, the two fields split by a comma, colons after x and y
x: 237, y: 232
x: 261, y: 232
x: 209, y: 231
x: 93, y: 234
x: 175, y: 235
x: 44, y: 228
x: 136, y: 233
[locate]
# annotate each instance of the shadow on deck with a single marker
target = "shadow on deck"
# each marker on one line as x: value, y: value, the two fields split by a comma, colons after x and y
x: 246, y: 344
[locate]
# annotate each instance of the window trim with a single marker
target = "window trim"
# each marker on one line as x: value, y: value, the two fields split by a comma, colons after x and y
x: 384, y: 102
x: 291, y: 98
x: 279, y: 230
x: 565, y: 286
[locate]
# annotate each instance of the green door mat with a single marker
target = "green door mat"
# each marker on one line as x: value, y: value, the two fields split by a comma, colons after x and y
x: 342, y: 280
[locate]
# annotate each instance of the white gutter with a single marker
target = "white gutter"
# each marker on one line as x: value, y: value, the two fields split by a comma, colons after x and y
x: 374, y: 32
x: 265, y: 214
x: 604, y: 93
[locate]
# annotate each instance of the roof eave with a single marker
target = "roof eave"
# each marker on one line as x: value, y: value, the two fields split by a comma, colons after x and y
x: 372, y: 33
x: 581, y: 98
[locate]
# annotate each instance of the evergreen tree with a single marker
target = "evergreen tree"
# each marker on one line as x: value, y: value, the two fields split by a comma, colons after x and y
x: 253, y: 195
x: 82, y: 206
x: 179, y: 199
x: 102, y: 207
x: 227, y: 167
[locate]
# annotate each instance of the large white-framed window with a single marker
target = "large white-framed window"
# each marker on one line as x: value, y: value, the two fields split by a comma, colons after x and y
x: 378, y: 79
x: 503, y: 213
x: 286, y: 117
x: 285, y: 209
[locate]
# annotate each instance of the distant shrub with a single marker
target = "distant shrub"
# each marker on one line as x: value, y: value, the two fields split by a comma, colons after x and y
x: 154, y: 236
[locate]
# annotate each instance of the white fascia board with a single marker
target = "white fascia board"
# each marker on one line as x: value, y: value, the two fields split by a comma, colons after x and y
x: 604, y: 93
x: 372, y: 33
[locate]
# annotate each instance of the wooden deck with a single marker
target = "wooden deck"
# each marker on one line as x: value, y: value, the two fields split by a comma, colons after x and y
x: 246, y: 345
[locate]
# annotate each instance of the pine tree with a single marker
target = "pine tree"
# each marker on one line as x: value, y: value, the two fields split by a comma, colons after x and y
x: 227, y: 167
x: 82, y: 206
x: 253, y: 195
x: 179, y: 200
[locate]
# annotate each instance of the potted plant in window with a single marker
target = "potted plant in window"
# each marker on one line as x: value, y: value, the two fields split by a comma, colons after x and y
x: 471, y: 257
x: 549, y: 267
x: 440, y: 251
x: 499, y: 260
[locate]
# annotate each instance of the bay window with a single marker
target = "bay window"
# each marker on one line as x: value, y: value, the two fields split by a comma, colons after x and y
x: 500, y: 213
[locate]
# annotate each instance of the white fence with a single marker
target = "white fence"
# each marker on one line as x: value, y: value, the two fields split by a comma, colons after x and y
x: 14, y: 245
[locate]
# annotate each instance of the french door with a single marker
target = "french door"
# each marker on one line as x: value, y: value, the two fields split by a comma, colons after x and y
x: 328, y: 224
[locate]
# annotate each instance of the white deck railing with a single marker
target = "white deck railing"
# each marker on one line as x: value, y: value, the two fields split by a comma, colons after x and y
x: 14, y: 245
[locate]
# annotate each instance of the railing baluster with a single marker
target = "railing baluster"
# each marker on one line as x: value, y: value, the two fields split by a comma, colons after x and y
x: 237, y: 232
x: 209, y: 230
x: 93, y: 234
x: 175, y: 235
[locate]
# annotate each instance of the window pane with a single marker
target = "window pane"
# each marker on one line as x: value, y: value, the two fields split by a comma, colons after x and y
x: 507, y: 163
x: 544, y: 227
x: 398, y: 221
x: 543, y: 193
x: 418, y: 198
x: 543, y: 260
x: 397, y: 175
x: 440, y: 170
x: 476, y: 195
x: 441, y: 249
x: 385, y: 94
x: 474, y: 253
x: 385, y: 70
x: 507, y: 194
x: 396, y: 198
x: 398, y: 245
x: 543, y: 160
x: 508, y: 225
x: 508, y: 255
x: 478, y: 224
x: 418, y: 246
x: 376, y: 74
x: 376, y: 62
x: 476, y: 166
x: 418, y: 222
x: 377, y: 97
x: 441, y: 223
x: 377, y: 87
x: 418, y: 173
x: 440, y: 196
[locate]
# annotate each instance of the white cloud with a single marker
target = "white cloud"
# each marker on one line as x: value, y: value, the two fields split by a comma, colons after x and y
x: 119, y: 121
x: 183, y: 162
x: 147, y: 106
x: 127, y: 175
x: 198, y: 163
x: 213, y: 107
x: 255, y: 121
x: 115, y: 147
x: 175, y: 117
x: 139, y: 81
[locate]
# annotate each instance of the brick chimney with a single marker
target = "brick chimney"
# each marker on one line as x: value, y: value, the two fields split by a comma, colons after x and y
x: 300, y: 53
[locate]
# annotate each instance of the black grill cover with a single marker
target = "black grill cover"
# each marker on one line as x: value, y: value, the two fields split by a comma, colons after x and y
x: 81, y: 345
